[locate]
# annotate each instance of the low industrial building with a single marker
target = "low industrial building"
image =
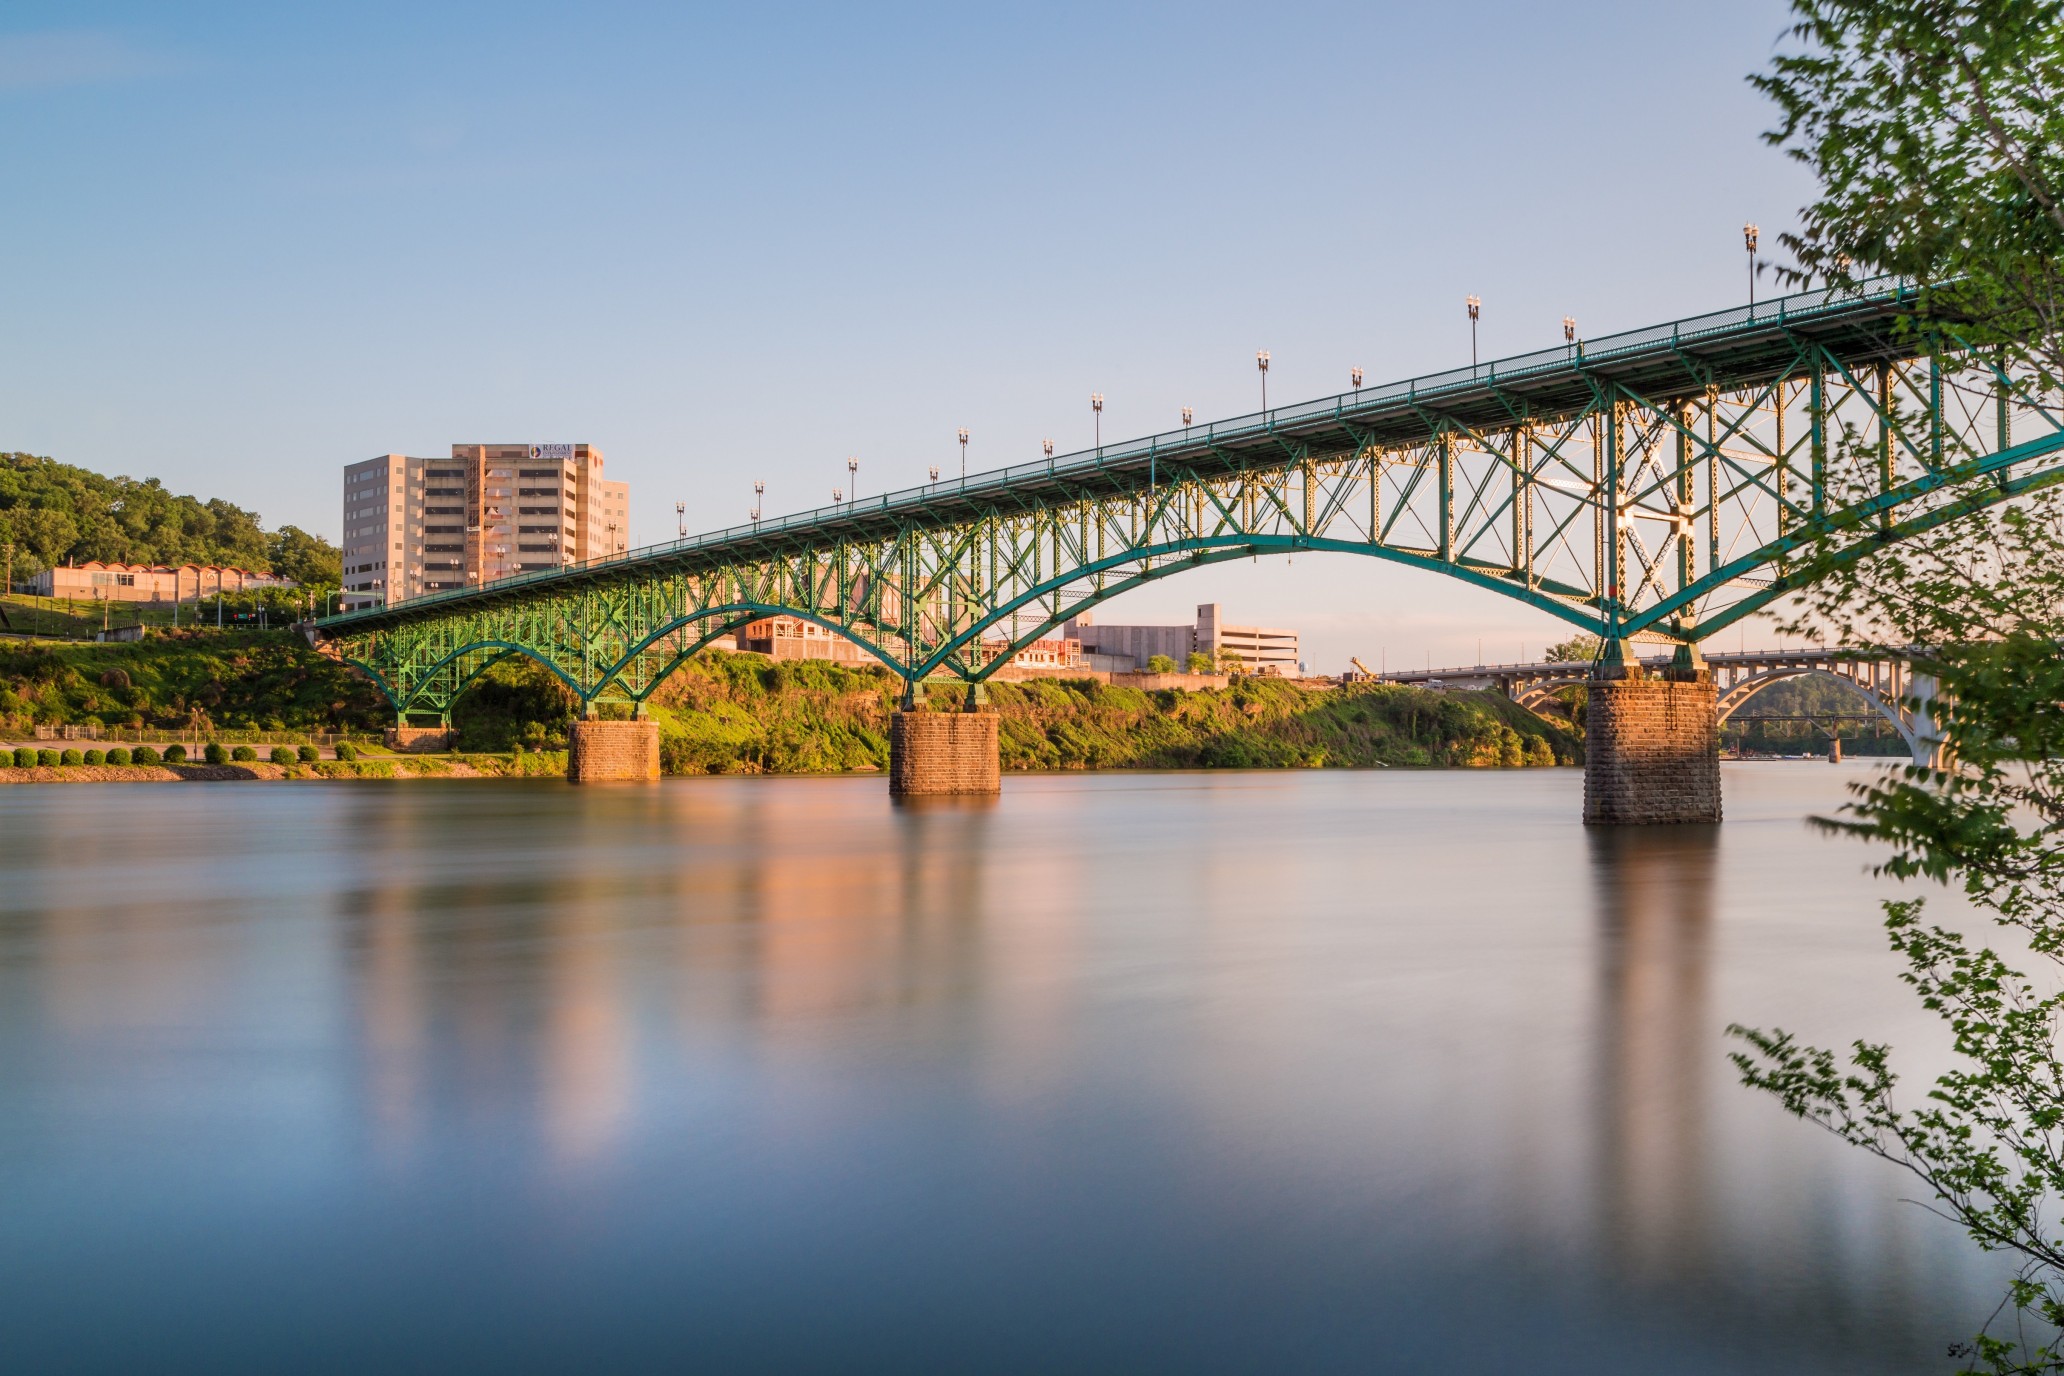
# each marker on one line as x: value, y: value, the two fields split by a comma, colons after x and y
x: 1127, y: 649
x: 96, y: 581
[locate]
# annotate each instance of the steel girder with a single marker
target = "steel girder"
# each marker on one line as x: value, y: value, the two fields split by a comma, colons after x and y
x: 1662, y: 501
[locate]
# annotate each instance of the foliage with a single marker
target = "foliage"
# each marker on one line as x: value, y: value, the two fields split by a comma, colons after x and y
x: 215, y: 753
x: 24, y: 757
x: 71, y: 756
x: 54, y: 512
x: 195, y: 680
x: 307, y: 754
x: 144, y: 754
x: 96, y: 757
x: 347, y: 752
x: 1160, y: 664
x: 118, y: 755
x: 517, y: 703
x: 1578, y: 649
x: 284, y: 754
x: 49, y: 759
x: 243, y: 754
x: 1936, y: 131
x: 175, y: 754
x: 1200, y: 663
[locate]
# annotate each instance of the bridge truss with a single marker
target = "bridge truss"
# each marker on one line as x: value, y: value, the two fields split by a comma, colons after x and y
x: 1658, y: 485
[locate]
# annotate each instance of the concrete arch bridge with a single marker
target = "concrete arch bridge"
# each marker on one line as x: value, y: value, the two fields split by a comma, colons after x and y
x: 1665, y: 483
x: 1886, y: 683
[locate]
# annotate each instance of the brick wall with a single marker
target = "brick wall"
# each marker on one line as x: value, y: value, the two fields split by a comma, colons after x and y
x: 612, y: 751
x: 1651, y: 751
x: 944, y: 752
x: 416, y: 739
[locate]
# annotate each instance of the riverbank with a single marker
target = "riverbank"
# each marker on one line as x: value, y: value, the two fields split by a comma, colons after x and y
x: 742, y: 714
x: 389, y: 767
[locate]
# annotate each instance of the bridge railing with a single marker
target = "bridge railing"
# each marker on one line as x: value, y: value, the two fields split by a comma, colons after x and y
x: 1139, y: 453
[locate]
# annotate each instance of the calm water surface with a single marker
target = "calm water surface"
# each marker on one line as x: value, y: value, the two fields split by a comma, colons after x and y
x: 1266, y: 1072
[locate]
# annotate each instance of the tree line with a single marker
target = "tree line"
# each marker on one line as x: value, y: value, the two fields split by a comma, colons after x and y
x: 55, y: 513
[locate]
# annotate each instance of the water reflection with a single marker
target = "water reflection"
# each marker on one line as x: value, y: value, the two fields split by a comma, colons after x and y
x: 1655, y: 895
x: 1224, y: 1073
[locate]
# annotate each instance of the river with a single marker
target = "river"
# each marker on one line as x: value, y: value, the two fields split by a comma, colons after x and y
x: 1309, y: 1071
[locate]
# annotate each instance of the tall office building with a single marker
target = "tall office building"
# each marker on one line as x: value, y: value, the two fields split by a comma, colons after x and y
x: 414, y: 525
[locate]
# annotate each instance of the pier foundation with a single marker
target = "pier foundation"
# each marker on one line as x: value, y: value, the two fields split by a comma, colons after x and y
x: 412, y: 740
x: 1651, y: 744
x: 932, y: 753
x: 612, y: 751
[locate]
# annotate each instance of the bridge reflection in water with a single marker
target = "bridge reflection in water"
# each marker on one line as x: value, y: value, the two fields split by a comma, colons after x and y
x: 1117, y: 1072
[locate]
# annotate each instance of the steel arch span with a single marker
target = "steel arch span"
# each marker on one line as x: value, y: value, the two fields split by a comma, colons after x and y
x: 1663, y: 483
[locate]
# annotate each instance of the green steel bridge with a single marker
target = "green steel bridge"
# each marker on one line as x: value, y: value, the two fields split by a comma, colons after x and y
x: 1654, y: 486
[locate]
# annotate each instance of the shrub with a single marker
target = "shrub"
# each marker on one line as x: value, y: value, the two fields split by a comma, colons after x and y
x: 145, y: 754
x: 243, y: 754
x: 71, y: 756
x: 119, y: 755
x: 283, y: 754
x: 308, y: 754
x: 49, y: 759
x: 24, y: 757
x: 175, y: 754
x: 215, y: 754
x: 1160, y: 664
x: 346, y: 751
x: 96, y: 757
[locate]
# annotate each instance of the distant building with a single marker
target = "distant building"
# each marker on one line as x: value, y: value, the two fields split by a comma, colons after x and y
x: 414, y: 526
x: 94, y: 580
x: 1052, y: 656
x: 792, y: 637
x: 1261, y: 649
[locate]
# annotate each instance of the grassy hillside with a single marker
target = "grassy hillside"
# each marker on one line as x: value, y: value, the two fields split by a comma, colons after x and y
x: 251, y: 681
x: 736, y: 714
x: 739, y: 714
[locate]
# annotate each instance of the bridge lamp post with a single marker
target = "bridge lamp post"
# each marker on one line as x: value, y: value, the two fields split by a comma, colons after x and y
x: 837, y: 496
x: 1096, y: 404
x: 1261, y: 362
x: 1475, y: 309
x: 759, y: 490
x: 1354, y: 377
x: 1047, y: 445
x: 1569, y: 329
x: 853, y: 476
x: 934, y: 471
x: 1187, y: 416
x: 1749, y: 234
x: 681, y: 519
x: 963, y: 453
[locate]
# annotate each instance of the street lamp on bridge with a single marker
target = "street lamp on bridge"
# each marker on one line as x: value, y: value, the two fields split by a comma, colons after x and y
x: 1261, y: 362
x: 1475, y: 309
x: 681, y: 519
x: 853, y: 475
x: 1354, y: 377
x: 963, y: 453
x: 759, y: 490
x: 1047, y: 445
x: 1096, y: 404
x: 1569, y: 329
x: 1187, y: 416
x: 1749, y: 234
x: 934, y: 471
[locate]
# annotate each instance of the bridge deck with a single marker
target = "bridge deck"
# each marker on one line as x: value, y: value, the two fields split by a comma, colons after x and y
x: 1739, y: 347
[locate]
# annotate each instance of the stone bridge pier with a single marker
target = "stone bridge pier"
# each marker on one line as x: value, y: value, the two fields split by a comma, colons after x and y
x: 1651, y: 742
x: 941, y: 753
x: 599, y: 751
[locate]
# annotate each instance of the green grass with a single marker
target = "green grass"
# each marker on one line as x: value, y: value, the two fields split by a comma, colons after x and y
x: 268, y: 681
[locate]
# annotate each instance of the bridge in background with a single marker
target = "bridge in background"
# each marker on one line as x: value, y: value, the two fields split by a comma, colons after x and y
x: 1885, y: 683
x: 1665, y: 482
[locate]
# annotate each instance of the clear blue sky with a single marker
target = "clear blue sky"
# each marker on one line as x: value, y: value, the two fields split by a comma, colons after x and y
x: 247, y: 244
